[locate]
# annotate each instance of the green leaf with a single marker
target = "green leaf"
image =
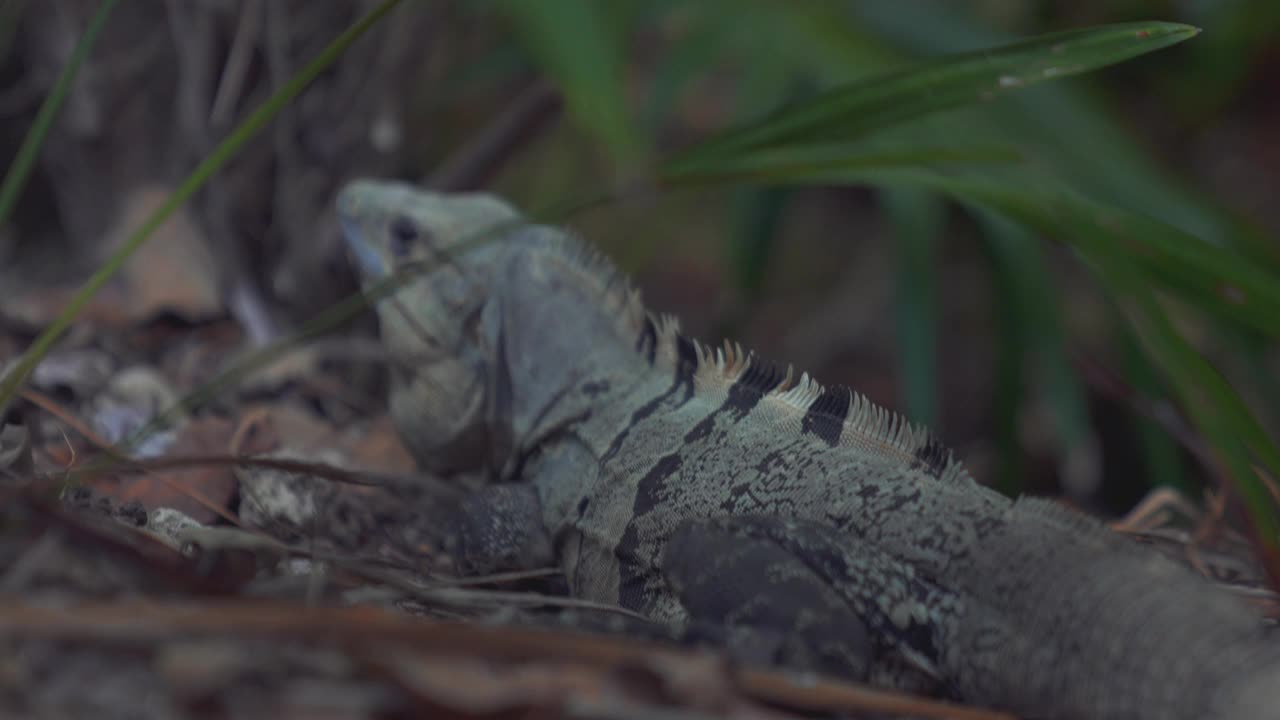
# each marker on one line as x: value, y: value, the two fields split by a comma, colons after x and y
x: 1235, y: 438
x: 832, y: 163
x: 1105, y: 242
x: 1214, y: 279
x: 1070, y: 128
x: 585, y: 55
x: 220, y: 156
x: 858, y: 108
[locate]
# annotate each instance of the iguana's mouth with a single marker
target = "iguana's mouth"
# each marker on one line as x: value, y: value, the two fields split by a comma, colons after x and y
x: 369, y: 262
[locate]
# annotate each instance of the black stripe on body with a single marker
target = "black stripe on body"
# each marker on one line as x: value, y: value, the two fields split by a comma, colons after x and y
x: 825, y: 417
x: 686, y: 365
x: 745, y: 393
x: 686, y: 368
x: 933, y: 456
x: 631, y: 565
x: 760, y: 379
x: 647, y: 343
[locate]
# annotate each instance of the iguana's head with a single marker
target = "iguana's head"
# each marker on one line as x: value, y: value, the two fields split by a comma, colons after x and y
x: 432, y: 324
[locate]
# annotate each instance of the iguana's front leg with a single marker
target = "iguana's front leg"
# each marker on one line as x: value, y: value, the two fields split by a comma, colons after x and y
x: 840, y: 604
x: 497, y: 528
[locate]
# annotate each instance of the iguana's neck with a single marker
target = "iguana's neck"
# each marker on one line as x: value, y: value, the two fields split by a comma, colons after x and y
x: 573, y: 332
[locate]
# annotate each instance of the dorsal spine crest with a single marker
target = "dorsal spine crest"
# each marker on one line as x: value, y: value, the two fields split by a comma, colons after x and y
x: 863, y: 422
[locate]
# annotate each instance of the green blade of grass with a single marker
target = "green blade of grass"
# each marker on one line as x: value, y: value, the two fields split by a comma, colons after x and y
x: 1215, y: 279
x: 858, y: 108
x: 1105, y: 242
x: 832, y: 163
x: 211, y: 164
x: 16, y: 177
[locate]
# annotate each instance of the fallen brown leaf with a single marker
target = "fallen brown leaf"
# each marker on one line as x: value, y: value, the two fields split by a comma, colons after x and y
x: 203, y: 493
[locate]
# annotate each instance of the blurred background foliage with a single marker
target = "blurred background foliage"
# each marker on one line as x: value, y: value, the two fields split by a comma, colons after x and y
x: 1073, y: 283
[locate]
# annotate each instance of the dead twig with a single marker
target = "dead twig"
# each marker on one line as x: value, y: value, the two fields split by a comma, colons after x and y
x: 141, y: 624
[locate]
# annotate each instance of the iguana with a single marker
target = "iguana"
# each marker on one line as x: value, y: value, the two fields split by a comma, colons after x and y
x: 707, y: 488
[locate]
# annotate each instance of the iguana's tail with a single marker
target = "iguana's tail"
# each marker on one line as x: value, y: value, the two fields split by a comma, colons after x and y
x: 1081, y: 623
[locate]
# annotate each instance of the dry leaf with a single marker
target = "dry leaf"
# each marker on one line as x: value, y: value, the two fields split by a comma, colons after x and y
x: 173, y: 270
x: 196, y: 492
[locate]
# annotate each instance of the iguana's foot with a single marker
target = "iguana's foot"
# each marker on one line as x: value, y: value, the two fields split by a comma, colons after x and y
x: 498, y: 528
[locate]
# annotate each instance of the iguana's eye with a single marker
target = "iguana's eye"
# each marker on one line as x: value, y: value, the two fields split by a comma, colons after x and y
x: 404, y: 233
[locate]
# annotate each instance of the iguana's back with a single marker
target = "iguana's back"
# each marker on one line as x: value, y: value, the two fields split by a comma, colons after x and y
x: 736, y: 437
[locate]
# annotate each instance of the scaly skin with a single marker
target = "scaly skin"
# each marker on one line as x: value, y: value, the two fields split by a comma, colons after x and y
x: 708, y: 488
